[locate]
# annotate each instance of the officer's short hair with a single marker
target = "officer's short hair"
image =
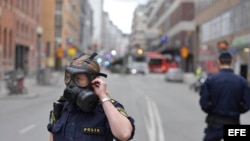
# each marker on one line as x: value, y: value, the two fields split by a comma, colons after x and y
x: 225, y: 58
x: 93, y: 66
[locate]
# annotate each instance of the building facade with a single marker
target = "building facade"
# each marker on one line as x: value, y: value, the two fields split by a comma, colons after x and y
x: 114, y: 42
x: 139, y: 28
x: 64, y: 23
x: 86, y: 25
x: 50, y: 21
x: 224, y: 20
x: 18, y: 37
x: 97, y: 6
x: 71, y: 29
x: 174, y: 23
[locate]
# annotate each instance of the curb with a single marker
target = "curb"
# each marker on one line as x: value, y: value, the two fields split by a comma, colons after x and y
x: 32, y: 87
x: 29, y: 84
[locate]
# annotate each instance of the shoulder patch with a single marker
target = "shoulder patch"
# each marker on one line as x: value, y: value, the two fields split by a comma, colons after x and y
x: 112, y: 101
x: 122, y: 111
x: 61, y: 99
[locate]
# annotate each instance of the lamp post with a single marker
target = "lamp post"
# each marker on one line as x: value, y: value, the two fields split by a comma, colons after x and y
x: 39, y: 32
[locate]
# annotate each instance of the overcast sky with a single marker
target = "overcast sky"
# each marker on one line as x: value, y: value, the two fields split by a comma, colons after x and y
x: 121, y: 12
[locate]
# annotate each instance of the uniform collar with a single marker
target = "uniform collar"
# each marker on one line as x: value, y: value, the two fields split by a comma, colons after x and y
x: 226, y: 70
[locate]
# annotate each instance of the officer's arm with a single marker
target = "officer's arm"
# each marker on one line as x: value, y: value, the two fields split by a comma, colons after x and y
x: 119, y: 124
x: 205, y: 102
x: 245, y: 105
x: 51, y: 137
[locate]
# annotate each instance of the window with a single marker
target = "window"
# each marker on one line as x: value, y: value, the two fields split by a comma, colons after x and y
x: 226, y: 24
x: 58, y: 31
x: 10, y: 45
x: 236, y: 19
x: 217, y: 28
x: 17, y: 28
x: 0, y: 35
x: 58, y: 6
x: 22, y: 30
x: 4, y: 43
x: 139, y: 58
x: 58, y: 20
x: 47, y: 49
x: 28, y: 7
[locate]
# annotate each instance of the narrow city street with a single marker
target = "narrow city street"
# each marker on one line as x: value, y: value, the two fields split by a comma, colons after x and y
x: 178, y: 40
x: 163, y: 111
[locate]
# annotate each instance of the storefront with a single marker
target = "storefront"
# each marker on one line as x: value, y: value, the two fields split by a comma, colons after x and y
x: 241, y: 50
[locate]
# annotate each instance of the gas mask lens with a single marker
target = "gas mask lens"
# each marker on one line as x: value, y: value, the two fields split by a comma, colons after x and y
x: 81, y: 80
x: 67, y: 78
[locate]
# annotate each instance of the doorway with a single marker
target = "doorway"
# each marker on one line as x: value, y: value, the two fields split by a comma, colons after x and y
x: 21, y: 58
x: 243, y: 70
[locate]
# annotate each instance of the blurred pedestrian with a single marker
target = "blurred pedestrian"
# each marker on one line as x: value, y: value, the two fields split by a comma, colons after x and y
x: 198, y: 71
x: 86, y: 112
x: 224, y: 96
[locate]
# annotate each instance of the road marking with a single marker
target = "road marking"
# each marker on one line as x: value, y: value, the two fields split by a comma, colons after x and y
x: 26, y: 129
x: 153, y: 122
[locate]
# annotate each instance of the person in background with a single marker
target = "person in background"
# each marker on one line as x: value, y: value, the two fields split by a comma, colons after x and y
x: 223, y: 97
x: 86, y: 112
x: 198, y: 72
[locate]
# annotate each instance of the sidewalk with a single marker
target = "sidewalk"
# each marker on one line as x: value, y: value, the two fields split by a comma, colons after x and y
x: 30, y: 83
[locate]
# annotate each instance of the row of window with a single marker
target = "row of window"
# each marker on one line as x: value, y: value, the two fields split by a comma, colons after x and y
x: 235, y: 20
x: 26, y: 6
x: 6, y: 41
x: 25, y: 32
x: 200, y: 5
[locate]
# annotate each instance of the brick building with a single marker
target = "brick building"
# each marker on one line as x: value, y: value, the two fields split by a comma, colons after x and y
x: 18, y: 22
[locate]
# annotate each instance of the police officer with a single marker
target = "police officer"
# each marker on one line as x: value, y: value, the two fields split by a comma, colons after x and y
x: 224, y: 96
x: 86, y: 112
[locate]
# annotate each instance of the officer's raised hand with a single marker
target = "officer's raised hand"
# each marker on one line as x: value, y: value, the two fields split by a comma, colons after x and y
x: 99, y: 87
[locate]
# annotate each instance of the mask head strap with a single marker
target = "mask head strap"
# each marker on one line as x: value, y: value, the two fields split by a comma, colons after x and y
x: 92, y: 56
x: 102, y: 74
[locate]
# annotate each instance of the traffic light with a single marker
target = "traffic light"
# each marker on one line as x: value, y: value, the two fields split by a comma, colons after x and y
x: 59, y: 52
x: 140, y: 51
x: 222, y: 45
x: 184, y: 51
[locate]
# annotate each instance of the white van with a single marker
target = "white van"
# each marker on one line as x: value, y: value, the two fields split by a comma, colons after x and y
x: 138, y: 64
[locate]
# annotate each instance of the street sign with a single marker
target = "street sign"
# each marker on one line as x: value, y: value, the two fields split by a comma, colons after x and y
x: 222, y: 45
x: 164, y: 39
x: 184, y: 51
x: 72, y: 51
x: 59, y: 52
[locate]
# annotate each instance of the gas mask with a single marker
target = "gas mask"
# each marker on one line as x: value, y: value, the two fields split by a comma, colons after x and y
x: 78, y: 85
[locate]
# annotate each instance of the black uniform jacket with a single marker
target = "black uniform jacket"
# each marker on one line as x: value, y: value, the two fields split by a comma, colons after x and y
x: 226, y: 94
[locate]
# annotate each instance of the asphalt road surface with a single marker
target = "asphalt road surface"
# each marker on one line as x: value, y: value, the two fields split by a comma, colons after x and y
x: 163, y: 111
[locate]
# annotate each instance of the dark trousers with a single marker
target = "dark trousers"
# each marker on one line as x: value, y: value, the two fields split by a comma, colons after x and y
x: 213, y: 132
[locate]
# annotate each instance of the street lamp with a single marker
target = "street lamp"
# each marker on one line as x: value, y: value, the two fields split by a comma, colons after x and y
x: 39, y: 32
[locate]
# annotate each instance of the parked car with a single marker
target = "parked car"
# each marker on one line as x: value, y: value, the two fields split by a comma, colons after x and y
x: 174, y: 74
